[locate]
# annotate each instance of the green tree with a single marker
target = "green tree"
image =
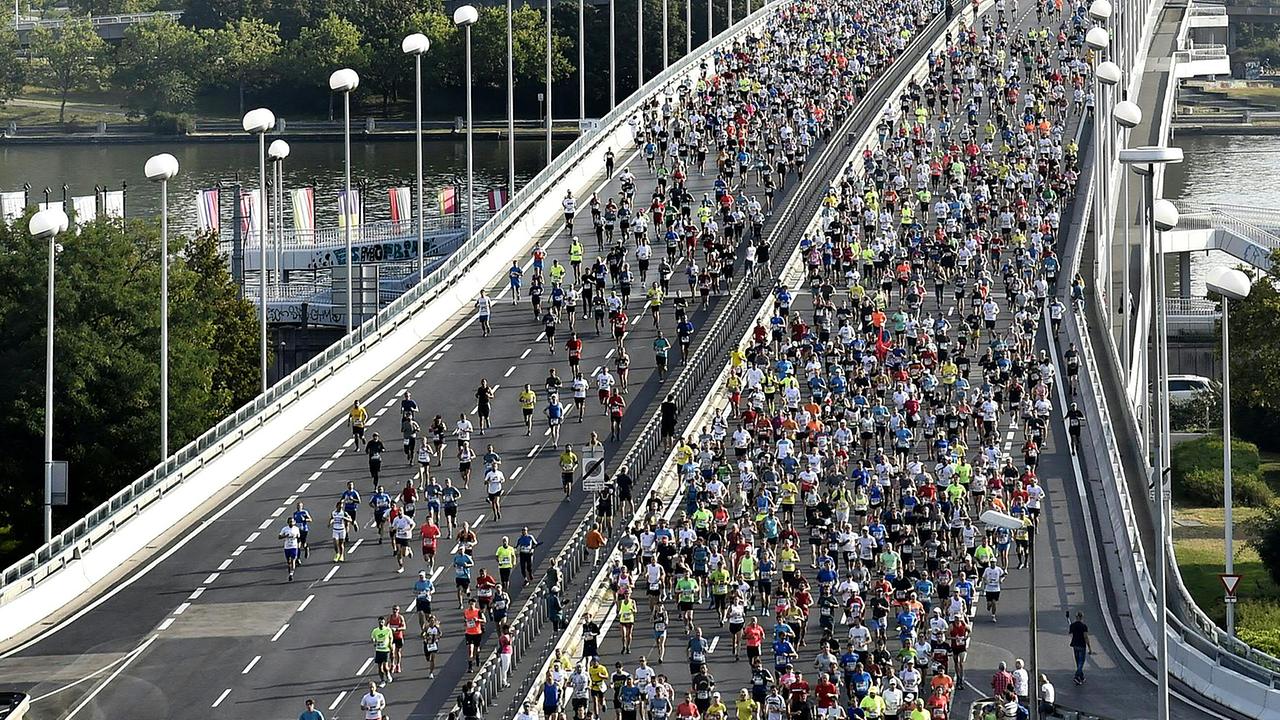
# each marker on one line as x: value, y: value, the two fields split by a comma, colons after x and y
x: 1255, y: 346
x: 160, y: 66
x: 1265, y: 530
x: 529, y: 48
x: 69, y: 58
x: 114, y: 7
x: 245, y: 51
x: 106, y: 410
x: 12, y: 69
x: 331, y: 43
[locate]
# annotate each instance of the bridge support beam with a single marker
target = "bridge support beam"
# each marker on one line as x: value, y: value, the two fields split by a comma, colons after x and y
x: 1184, y: 274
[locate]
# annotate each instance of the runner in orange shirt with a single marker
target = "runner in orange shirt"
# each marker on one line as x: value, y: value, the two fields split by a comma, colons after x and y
x: 473, y: 627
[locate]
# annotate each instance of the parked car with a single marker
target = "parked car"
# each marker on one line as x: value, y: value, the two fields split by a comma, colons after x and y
x: 14, y: 705
x: 1185, y: 388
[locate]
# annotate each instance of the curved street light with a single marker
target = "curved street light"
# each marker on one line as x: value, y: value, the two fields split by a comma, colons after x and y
x: 346, y: 81
x: 417, y: 45
x: 259, y: 122
x: 162, y: 168
x: 46, y: 225
x: 464, y: 17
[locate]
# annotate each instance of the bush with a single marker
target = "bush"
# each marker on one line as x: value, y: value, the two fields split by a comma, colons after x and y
x: 1204, y: 487
x: 1265, y: 530
x: 168, y: 123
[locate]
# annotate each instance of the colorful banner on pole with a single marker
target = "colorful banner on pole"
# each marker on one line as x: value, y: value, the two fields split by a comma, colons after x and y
x: 497, y: 198
x: 348, y: 209
x: 304, y: 212
x: 12, y: 204
x: 208, y: 217
x: 401, y: 205
x: 85, y: 209
x: 113, y: 204
x: 448, y: 198
x: 251, y: 215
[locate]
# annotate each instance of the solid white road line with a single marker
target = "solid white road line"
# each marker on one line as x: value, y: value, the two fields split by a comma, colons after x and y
x: 94, y: 693
x: 221, y: 697
x: 252, y: 662
x: 305, y: 603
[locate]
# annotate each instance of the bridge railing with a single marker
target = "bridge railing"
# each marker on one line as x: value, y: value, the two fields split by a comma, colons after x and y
x: 1207, y: 216
x: 332, y: 236
x: 98, y: 20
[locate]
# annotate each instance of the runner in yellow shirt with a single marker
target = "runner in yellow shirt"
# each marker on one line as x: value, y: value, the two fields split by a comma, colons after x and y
x: 527, y: 399
x: 357, y: 419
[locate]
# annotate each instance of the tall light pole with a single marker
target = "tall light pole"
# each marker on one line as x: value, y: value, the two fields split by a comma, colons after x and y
x: 160, y: 168
x: 710, y: 29
x: 1163, y: 217
x: 277, y: 151
x: 730, y: 9
x: 1014, y: 524
x: 582, y: 62
x: 665, y: 45
x: 613, y: 55
x: 688, y: 27
x: 1231, y: 284
x: 639, y: 44
x: 417, y: 45
x: 259, y: 122
x: 1108, y: 75
x: 1128, y: 116
x: 345, y: 81
x: 464, y: 17
x: 511, y: 100
x: 45, y: 225
x: 548, y: 82
x: 1097, y: 40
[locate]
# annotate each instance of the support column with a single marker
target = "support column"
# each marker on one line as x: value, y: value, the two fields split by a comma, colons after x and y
x: 1184, y: 274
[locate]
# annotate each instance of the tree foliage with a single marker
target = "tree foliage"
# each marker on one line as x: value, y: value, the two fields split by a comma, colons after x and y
x: 160, y: 66
x: 12, y: 69
x: 244, y: 52
x: 71, y: 58
x: 106, y: 370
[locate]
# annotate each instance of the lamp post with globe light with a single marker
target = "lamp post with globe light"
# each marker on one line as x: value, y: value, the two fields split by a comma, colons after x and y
x: 417, y: 45
x: 259, y: 122
x: 464, y: 17
x: 1231, y: 284
x: 1128, y: 116
x: 277, y: 151
x: 345, y: 81
x: 1014, y: 524
x: 162, y: 168
x: 47, y: 225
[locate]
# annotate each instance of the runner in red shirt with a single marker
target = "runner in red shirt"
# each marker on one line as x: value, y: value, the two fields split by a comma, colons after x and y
x: 430, y: 532
x: 397, y: 625
x: 827, y: 695
x: 754, y: 633
x: 617, y: 406
x: 485, y: 585
x: 687, y: 710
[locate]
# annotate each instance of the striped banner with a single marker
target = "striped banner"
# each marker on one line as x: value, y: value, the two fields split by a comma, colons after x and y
x: 348, y: 209
x: 448, y: 198
x: 401, y: 204
x: 304, y: 212
x: 497, y: 198
x: 251, y: 215
x: 208, y: 215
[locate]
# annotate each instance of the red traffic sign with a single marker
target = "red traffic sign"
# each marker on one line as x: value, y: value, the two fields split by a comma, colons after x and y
x: 1230, y: 582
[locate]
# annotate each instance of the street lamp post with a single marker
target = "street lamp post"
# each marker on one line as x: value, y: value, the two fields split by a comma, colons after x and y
x: 1163, y: 217
x: 548, y: 82
x: 259, y: 122
x: 582, y: 63
x: 345, y: 81
x: 613, y: 55
x: 277, y: 151
x: 1108, y: 75
x: 1231, y: 284
x: 1128, y: 116
x: 464, y: 17
x: 1097, y: 40
x: 665, y: 46
x: 1014, y: 524
x: 688, y: 27
x: 417, y: 45
x: 160, y: 168
x: 639, y: 44
x: 46, y: 225
x: 710, y: 29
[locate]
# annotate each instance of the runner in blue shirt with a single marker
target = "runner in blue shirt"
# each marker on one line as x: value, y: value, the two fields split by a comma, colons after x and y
x: 351, y: 503
x: 462, y: 565
x: 302, y: 519
x: 514, y: 276
x: 422, y: 590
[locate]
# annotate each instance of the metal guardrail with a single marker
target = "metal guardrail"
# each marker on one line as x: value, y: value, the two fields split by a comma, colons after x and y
x: 65, y: 547
x: 1191, y: 307
x: 98, y: 20
x: 1204, y: 52
x: 1198, y: 10
x: 371, y: 124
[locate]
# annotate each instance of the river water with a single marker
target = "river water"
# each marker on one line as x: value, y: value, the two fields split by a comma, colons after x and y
x: 1230, y: 169
x: 382, y: 165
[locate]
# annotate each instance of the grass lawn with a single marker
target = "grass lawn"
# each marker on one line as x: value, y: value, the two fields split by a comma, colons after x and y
x: 1199, y: 553
x: 1269, y: 96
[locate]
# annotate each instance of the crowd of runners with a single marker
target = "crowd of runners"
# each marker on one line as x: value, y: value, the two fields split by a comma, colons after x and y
x: 830, y: 512
x: 829, y: 518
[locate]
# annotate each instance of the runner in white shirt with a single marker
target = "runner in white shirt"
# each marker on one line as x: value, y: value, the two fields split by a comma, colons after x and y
x: 493, y: 480
x: 604, y: 384
x: 579, y: 386
x: 570, y: 209
x: 373, y: 703
x: 463, y: 429
x: 291, y: 536
x: 402, y: 529
x: 484, y: 308
x: 992, y: 577
x: 340, y: 522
